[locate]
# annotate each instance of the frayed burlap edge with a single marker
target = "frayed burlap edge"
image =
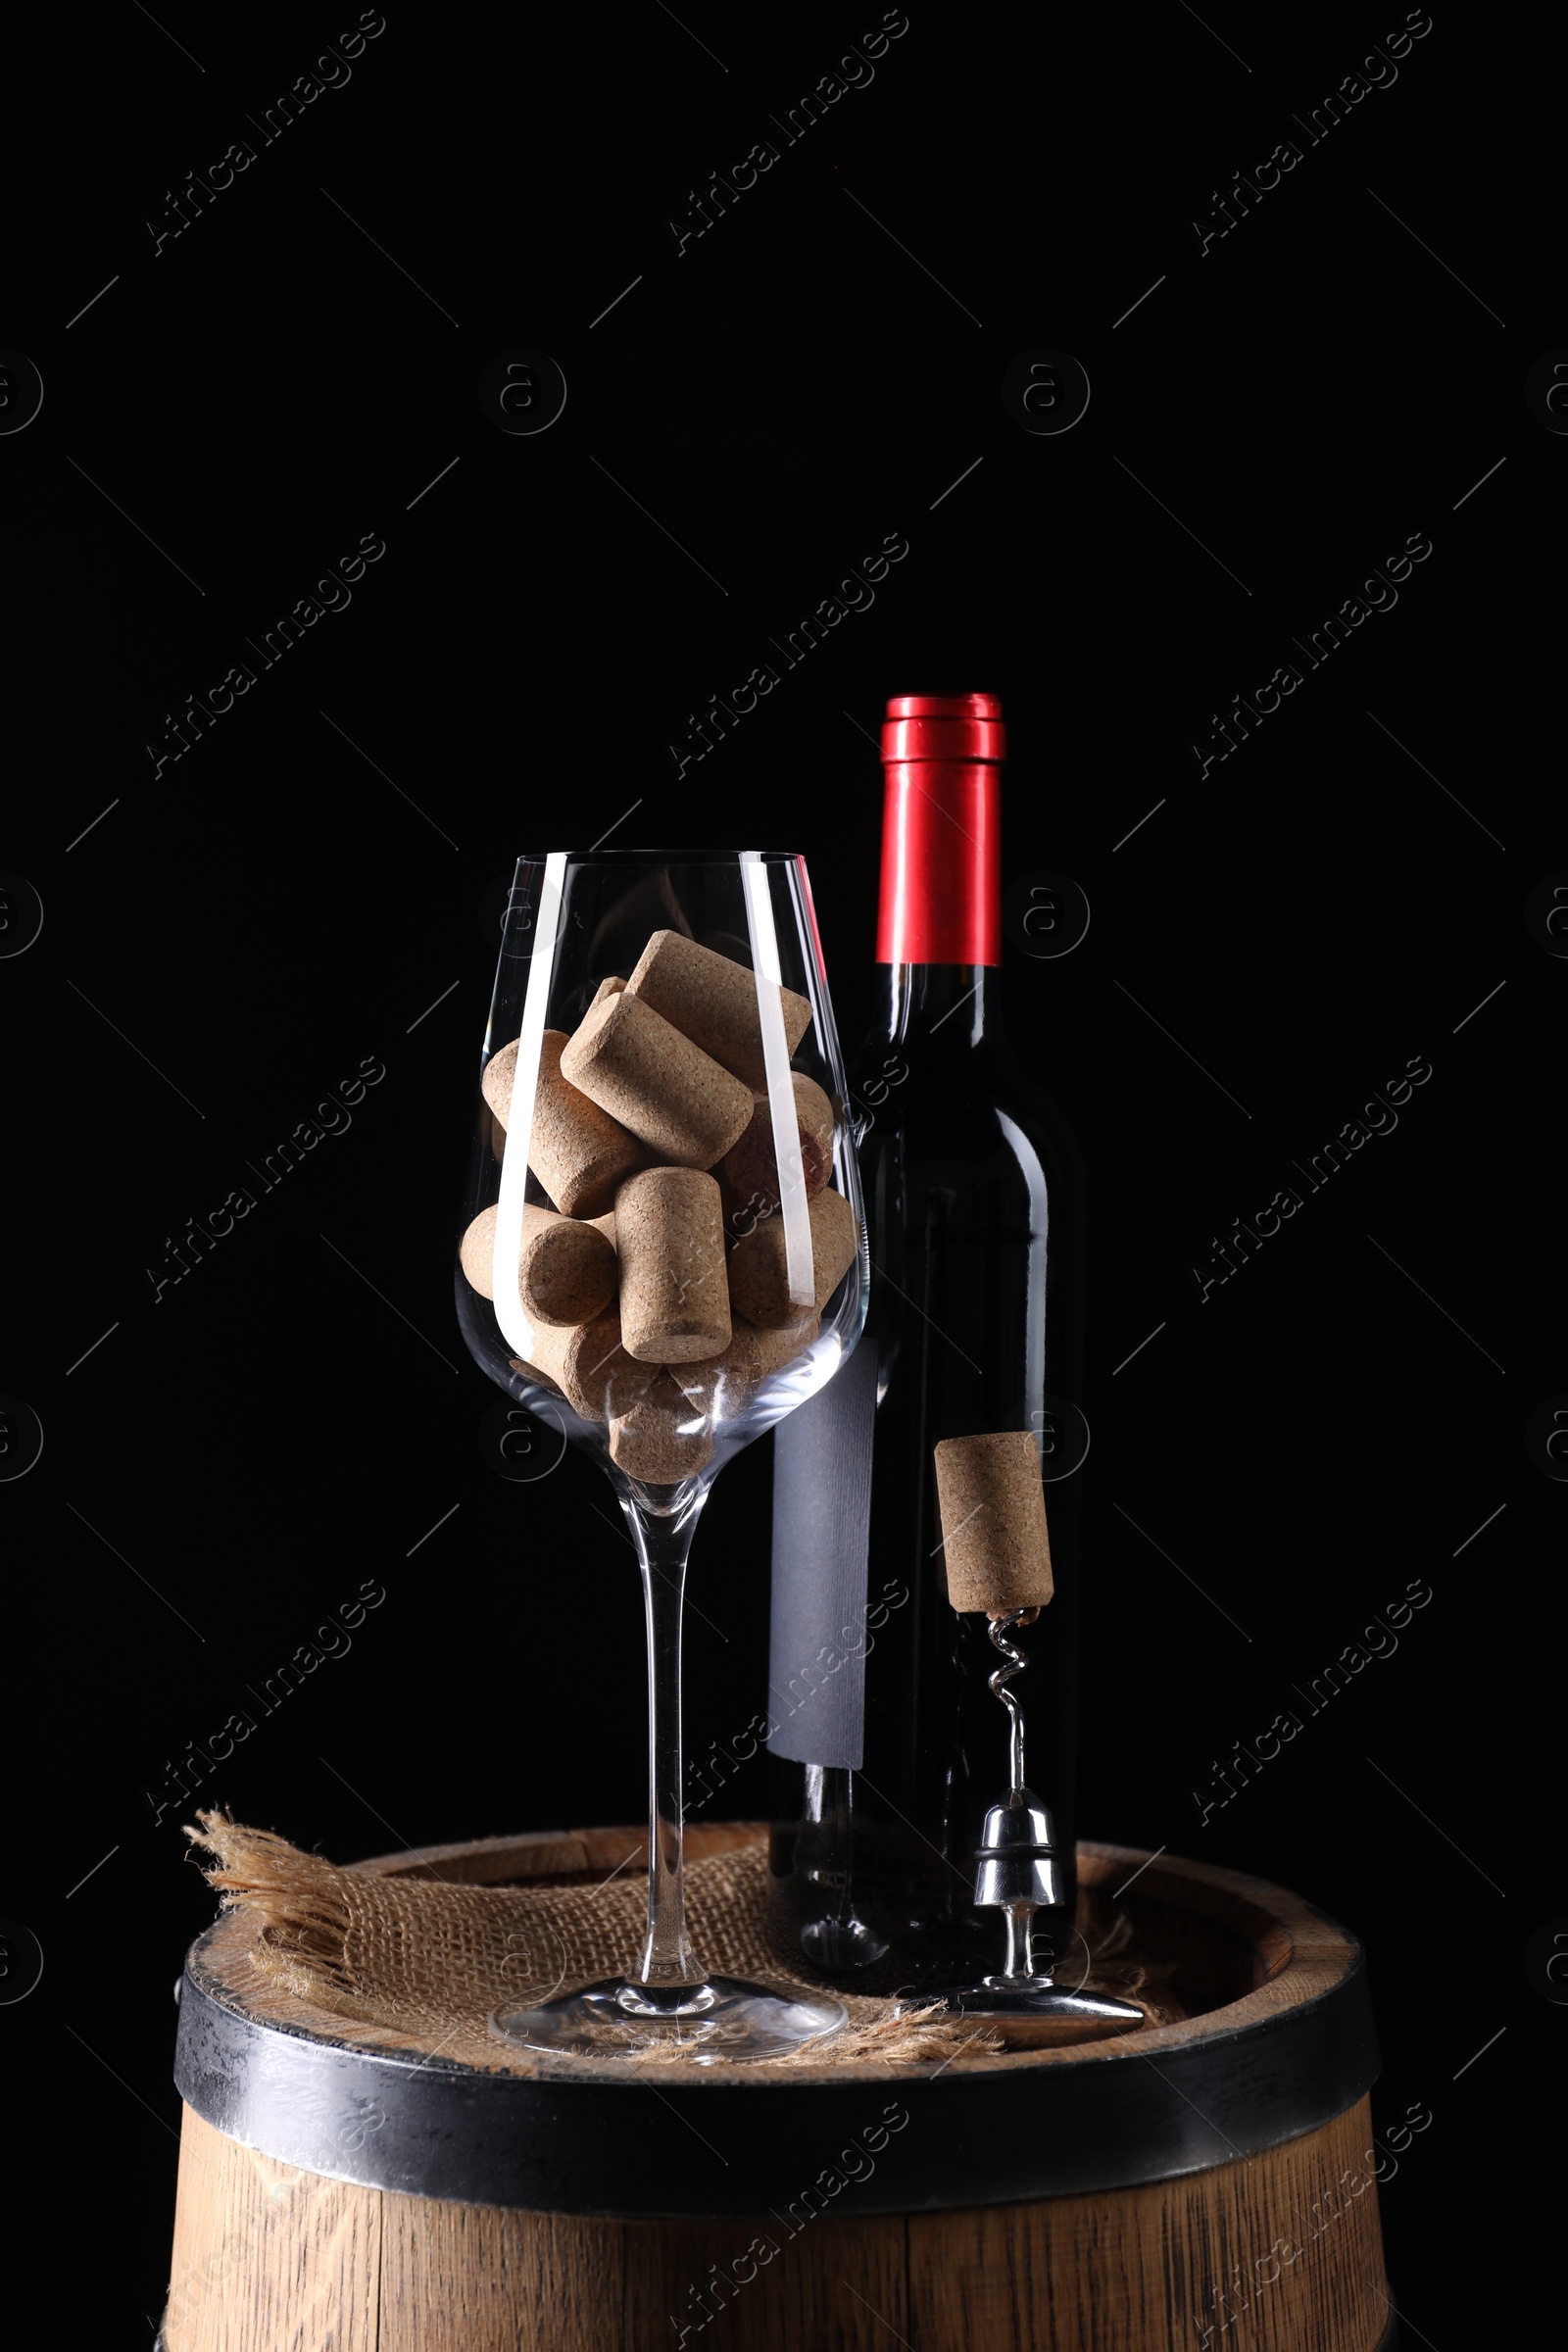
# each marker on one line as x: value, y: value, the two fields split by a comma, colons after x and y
x: 302, y: 1914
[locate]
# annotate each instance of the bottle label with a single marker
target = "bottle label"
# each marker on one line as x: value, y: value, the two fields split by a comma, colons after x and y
x: 941, y: 899
x: 821, y: 1538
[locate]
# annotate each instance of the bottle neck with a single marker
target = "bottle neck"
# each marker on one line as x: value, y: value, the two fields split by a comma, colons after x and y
x: 939, y: 929
x: 940, y: 901
x: 951, y: 1006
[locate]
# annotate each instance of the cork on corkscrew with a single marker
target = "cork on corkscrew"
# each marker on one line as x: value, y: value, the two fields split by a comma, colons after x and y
x: 997, y: 1549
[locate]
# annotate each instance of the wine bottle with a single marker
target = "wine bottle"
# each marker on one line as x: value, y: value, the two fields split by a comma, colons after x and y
x: 889, y: 1746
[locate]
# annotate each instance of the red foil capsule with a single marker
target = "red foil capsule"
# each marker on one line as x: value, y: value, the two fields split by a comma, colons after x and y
x: 941, y: 830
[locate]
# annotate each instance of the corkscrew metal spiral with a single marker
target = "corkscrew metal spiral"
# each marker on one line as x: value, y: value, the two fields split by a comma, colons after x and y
x: 996, y: 1684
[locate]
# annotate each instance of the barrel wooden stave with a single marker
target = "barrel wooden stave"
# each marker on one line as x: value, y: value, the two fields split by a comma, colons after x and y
x: 270, y: 2259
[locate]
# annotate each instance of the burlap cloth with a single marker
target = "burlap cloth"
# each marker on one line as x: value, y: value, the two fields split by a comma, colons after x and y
x: 412, y: 1965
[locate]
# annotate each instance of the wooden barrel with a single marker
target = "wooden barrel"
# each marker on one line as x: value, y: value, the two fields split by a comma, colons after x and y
x: 1193, y: 2183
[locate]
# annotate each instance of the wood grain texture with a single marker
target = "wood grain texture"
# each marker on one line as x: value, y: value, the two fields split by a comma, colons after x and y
x: 1284, y: 2249
x: 1176, y: 2263
x: 268, y: 2256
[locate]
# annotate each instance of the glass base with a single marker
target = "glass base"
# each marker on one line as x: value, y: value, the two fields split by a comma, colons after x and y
x: 719, y: 2020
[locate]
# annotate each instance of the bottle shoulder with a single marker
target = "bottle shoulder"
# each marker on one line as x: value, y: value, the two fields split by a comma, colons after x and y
x: 959, y: 1100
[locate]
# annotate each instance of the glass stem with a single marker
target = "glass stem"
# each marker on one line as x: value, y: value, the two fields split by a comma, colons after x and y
x: 662, y: 1545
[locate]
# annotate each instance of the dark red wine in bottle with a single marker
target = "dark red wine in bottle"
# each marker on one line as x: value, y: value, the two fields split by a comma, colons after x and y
x: 888, y: 1745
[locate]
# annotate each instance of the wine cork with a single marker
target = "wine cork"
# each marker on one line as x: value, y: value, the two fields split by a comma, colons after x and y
x: 759, y: 1275
x: 751, y: 1167
x: 494, y: 1083
x: 606, y: 988
x: 588, y: 1363
x: 727, y: 1382
x: 477, y: 1252
x: 663, y: 1438
x: 738, y: 1214
x: 568, y: 1270
x: 714, y: 1001
x: 995, y: 1546
x: 577, y: 1152
x: 670, y: 1094
x: 674, y: 1300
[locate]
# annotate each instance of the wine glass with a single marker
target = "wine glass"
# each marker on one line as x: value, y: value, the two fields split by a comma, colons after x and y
x: 662, y: 1153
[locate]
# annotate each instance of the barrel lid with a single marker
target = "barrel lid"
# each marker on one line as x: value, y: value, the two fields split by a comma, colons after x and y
x: 584, y: 2138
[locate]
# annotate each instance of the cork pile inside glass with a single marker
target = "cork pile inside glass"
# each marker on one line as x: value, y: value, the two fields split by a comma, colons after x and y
x: 655, y: 1276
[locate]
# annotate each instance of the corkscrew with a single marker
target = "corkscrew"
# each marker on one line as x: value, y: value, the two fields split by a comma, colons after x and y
x: 1019, y: 1875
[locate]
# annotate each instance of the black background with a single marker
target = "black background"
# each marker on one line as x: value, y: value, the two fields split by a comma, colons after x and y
x: 302, y: 890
